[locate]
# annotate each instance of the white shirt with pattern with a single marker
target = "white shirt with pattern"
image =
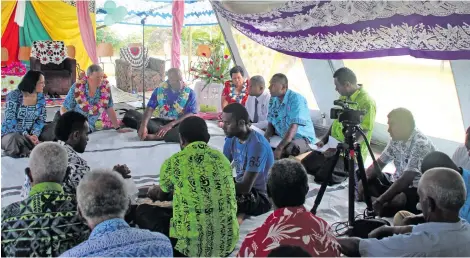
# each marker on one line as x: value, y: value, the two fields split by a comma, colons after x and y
x: 78, y: 167
x: 408, y: 156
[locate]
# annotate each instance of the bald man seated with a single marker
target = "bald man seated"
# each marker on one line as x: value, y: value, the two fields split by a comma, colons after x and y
x: 442, y: 194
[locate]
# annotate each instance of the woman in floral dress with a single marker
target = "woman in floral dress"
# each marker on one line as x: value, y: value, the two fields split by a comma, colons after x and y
x: 91, y: 96
x: 235, y: 90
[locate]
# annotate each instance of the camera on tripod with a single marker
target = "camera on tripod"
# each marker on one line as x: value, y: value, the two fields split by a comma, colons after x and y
x: 345, y: 114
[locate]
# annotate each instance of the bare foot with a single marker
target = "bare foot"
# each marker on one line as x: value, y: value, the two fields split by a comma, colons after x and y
x: 153, y: 137
x: 240, y: 218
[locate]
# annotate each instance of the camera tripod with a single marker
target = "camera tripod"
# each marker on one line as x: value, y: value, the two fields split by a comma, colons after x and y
x: 351, y: 153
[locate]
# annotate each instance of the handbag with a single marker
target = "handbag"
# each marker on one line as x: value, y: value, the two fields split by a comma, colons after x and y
x: 133, y: 118
x: 317, y: 165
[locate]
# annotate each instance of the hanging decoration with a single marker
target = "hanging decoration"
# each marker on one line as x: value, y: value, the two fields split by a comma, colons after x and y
x: 114, y: 14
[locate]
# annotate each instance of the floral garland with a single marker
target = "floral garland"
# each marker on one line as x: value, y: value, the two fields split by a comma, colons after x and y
x: 80, y: 97
x: 178, y: 105
x: 233, y: 95
x: 14, y: 69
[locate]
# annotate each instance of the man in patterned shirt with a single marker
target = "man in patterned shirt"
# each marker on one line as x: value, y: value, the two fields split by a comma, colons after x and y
x: 204, y: 219
x: 46, y: 223
x: 291, y: 224
x: 72, y: 132
x: 407, y: 150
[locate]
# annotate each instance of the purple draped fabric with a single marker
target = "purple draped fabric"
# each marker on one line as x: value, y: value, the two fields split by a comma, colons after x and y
x: 360, y: 29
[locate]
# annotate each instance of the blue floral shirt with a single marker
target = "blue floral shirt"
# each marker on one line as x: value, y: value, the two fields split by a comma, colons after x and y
x: 70, y: 103
x: 115, y: 238
x: 171, y: 105
x: 24, y: 119
x: 292, y: 110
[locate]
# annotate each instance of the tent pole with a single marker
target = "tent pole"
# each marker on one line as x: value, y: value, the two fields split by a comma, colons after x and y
x: 190, y: 49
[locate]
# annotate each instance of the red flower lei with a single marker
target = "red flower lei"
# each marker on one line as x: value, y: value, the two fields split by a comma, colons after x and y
x: 82, y: 101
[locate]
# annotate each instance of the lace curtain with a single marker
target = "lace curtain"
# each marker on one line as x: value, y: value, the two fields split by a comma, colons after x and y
x: 360, y: 29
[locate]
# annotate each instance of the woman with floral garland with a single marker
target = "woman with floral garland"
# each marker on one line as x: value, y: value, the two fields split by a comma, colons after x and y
x: 235, y: 90
x: 91, y: 96
x: 25, y: 116
x: 170, y: 104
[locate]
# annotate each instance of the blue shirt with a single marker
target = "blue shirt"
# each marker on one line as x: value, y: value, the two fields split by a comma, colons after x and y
x: 164, y: 100
x: 430, y: 239
x: 465, y: 210
x: 24, y: 119
x: 292, y: 110
x: 115, y: 238
x: 254, y: 155
x: 70, y: 103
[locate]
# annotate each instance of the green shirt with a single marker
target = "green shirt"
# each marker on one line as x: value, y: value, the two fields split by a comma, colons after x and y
x: 364, y: 103
x: 204, y: 205
x: 44, y: 224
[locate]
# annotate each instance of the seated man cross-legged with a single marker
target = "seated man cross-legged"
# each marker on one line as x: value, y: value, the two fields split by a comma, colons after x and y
x: 441, y: 196
x: 46, y: 223
x: 171, y: 103
x: 252, y: 157
x: 200, y: 179
x: 407, y: 150
x: 288, y: 187
x: 288, y: 117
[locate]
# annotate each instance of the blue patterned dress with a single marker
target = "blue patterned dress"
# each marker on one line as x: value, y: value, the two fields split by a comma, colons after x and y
x: 26, y: 120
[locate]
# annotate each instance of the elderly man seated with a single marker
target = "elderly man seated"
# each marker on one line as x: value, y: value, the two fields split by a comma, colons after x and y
x: 407, y: 150
x: 441, y: 196
x: 171, y: 103
x: 287, y: 187
x: 288, y: 117
x: 103, y: 202
x: 204, y: 219
x: 46, y: 223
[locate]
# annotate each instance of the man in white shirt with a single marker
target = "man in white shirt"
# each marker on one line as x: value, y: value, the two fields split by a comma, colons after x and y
x: 461, y: 156
x: 258, y: 102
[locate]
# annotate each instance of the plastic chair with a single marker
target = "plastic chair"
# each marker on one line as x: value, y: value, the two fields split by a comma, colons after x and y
x: 105, y: 50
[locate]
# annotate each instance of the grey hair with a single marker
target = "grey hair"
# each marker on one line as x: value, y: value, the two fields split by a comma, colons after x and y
x: 48, y: 163
x: 287, y: 176
x: 92, y: 69
x: 257, y: 80
x: 445, y: 186
x: 102, y: 195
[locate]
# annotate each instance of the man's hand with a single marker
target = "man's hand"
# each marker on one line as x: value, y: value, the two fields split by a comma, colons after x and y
x: 123, y: 170
x: 162, y: 132
x: 278, y: 153
x: 143, y: 132
x: 378, y: 206
x: 382, y: 232
x: 124, y: 130
x: 414, y: 220
x: 33, y: 138
x: 154, y: 192
x: 322, y: 142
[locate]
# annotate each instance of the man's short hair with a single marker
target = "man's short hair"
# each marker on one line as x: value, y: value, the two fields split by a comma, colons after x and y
x: 281, y: 78
x: 176, y: 71
x: 289, y: 251
x: 238, y: 112
x: 102, y: 195
x: 257, y: 80
x: 237, y: 69
x: 68, y: 123
x: 403, y: 116
x: 194, y: 129
x: 437, y: 159
x: 92, y: 69
x: 48, y: 162
x: 445, y: 186
x: 287, y: 176
x: 344, y: 75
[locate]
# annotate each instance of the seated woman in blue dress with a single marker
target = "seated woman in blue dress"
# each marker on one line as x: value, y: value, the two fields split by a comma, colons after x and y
x: 90, y: 96
x: 170, y: 103
x: 25, y: 116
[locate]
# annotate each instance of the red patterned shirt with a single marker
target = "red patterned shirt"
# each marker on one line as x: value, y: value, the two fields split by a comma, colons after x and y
x: 294, y: 226
x: 230, y: 95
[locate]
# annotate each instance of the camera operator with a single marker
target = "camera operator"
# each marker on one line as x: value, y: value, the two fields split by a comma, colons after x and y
x: 346, y: 85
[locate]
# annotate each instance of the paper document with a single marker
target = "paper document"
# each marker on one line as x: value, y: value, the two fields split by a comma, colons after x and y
x: 332, y: 144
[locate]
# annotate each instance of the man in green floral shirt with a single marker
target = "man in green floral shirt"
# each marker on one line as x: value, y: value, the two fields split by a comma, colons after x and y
x: 204, y: 219
x: 46, y: 223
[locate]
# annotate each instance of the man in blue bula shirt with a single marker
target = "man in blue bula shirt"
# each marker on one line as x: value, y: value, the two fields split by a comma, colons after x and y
x: 251, y: 155
x: 288, y: 117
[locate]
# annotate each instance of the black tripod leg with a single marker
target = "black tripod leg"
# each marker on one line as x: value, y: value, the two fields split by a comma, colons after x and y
x: 363, y: 178
x: 351, y: 188
x: 324, y: 185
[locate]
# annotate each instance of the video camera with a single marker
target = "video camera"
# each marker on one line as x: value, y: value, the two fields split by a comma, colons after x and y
x: 345, y: 114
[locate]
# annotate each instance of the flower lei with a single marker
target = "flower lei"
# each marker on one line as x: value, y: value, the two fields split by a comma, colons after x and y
x: 82, y: 101
x: 179, y: 103
x: 237, y: 98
